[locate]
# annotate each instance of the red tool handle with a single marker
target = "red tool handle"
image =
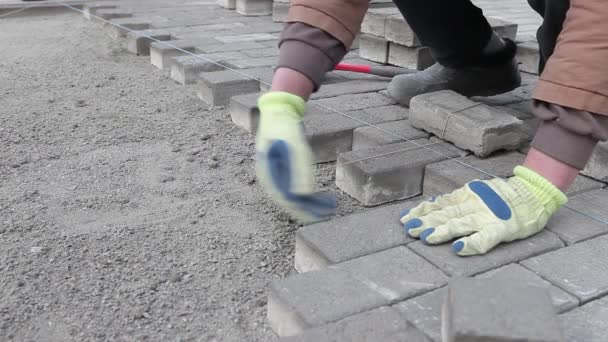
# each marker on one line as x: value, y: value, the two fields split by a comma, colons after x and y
x: 365, y: 69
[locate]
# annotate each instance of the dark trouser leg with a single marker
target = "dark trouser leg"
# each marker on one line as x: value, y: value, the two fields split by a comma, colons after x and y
x: 455, y: 30
x: 554, y: 14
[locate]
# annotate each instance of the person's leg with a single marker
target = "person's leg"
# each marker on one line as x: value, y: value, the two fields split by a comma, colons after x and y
x: 471, y: 59
x: 554, y: 14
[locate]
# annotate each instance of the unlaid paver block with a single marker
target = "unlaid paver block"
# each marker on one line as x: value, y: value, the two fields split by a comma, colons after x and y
x: 373, y: 48
x: 138, y: 42
x: 588, y: 323
x: 254, y: 7
x: 280, y: 11
x: 161, y: 53
x: 580, y: 269
x: 469, y: 125
x: 319, y: 297
x: 417, y: 58
x: 597, y: 167
x: 244, y: 111
x: 389, y: 173
x: 349, y: 237
x: 399, y: 31
x: 528, y: 56
x: 356, y: 101
x: 383, y: 324
x: 444, y: 257
x: 350, y: 87
x: 330, y: 133
x: 449, y: 175
x: 227, y: 4
x: 185, y: 69
x: 386, y: 133
x: 374, y: 22
x: 216, y: 88
x: 496, y: 310
x: 118, y: 28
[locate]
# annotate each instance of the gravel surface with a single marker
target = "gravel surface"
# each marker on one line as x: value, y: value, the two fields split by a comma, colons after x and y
x: 129, y: 211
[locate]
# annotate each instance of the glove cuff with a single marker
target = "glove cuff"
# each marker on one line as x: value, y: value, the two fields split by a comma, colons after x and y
x: 278, y: 101
x: 548, y: 194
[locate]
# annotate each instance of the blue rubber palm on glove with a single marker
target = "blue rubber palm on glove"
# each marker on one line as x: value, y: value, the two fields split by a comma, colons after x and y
x: 483, y: 214
x: 285, y: 161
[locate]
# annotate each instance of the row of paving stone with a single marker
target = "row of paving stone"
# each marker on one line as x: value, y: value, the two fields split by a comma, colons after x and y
x: 361, y: 274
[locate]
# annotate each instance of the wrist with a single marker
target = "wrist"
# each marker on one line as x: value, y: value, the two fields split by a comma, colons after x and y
x: 548, y: 194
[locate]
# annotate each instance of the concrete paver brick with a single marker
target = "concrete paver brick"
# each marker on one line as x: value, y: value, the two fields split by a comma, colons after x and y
x: 350, y: 102
x: 469, y: 125
x: 109, y: 13
x: 349, y: 87
x: 597, y: 167
x: 587, y: 323
x: 373, y: 48
x: 580, y: 269
x: 389, y: 172
x: 443, y: 257
x: 161, y: 54
x: 573, y: 227
x: 366, y: 137
x: 320, y: 297
x: 227, y: 47
x: 528, y: 57
x: 591, y: 203
x: 91, y: 9
x: 254, y: 7
x: 185, y: 69
x: 279, y: 11
x: 227, y: 4
x: 349, y: 237
x: 243, y: 63
x: 263, y: 52
x: 417, y: 58
x: 118, y: 28
x: 244, y: 111
x: 383, y: 324
x: 583, y: 184
x: 331, y: 133
x: 424, y: 312
x: 498, y: 310
x: 398, y: 31
x: 374, y: 22
x: 216, y: 88
x: 449, y: 175
x: 139, y: 43
x: 242, y: 38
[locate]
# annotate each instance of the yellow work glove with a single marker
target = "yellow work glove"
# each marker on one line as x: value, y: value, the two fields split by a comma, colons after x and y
x: 285, y: 161
x: 483, y: 214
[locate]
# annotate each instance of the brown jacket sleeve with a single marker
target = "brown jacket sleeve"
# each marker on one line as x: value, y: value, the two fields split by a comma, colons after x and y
x: 340, y: 18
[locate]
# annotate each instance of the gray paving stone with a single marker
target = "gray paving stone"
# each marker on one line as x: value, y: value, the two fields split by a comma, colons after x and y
x: 320, y: 297
x: 349, y: 237
x: 597, y: 167
x: 356, y: 101
x: 573, y: 227
x: 588, y: 323
x: 383, y: 324
x: 469, y: 125
x: 244, y: 111
x: 262, y: 52
x: 498, y: 310
x: 254, y: 7
x: 449, y: 175
x: 366, y: 137
x: 350, y: 87
x: 330, y: 134
x: 216, y: 88
x: 374, y: 22
x: 118, y: 28
x: 227, y: 4
x: 109, y: 13
x: 398, y: 31
x: 185, y: 69
x: 528, y: 57
x: 91, y: 9
x: 243, y: 63
x: 373, y: 48
x: 443, y: 257
x: 227, y: 47
x: 424, y: 312
x: 279, y: 11
x: 418, y: 58
x: 591, y: 203
x: 580, y: 269
x: 161, y: 54
x: 242, y: 38
x: 583, y: 184
x: 138, y: 42
x: 388, y: 173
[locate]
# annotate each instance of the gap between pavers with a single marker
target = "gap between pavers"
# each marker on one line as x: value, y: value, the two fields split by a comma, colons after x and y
x: 316, y: 298
x: 392, y: 172
x: 424, y: 311
x: 349, y: 237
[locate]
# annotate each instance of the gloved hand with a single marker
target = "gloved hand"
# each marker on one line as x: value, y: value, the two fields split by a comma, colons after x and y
x: 485, y: 213
x: 285, y: 161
